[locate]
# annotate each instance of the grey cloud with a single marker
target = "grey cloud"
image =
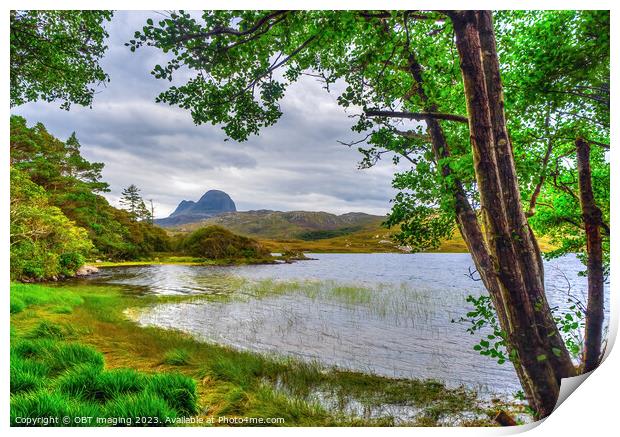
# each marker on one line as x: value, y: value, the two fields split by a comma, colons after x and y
x: 295, y: 164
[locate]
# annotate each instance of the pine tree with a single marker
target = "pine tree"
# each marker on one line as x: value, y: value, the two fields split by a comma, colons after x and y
x: 134, y: 204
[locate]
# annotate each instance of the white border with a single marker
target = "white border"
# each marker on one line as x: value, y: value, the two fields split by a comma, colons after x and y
x: 591, y: 410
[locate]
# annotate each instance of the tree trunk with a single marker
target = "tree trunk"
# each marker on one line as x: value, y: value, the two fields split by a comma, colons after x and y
x: 466, y: 218
x: 592, y: 219
x: 517, y: 289
x: 524, y: 242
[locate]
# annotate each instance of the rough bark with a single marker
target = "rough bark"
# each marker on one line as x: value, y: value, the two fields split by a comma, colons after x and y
x: 429, y: 115
x: 466, y: 218
x: 592, y: 219
x: 541, y: 356
x: 523, y: 240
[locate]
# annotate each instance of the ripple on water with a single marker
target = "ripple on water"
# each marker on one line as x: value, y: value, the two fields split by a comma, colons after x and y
x: 402, y: 329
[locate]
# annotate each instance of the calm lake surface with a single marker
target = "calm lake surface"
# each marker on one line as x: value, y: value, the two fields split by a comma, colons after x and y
x: 399, y: 324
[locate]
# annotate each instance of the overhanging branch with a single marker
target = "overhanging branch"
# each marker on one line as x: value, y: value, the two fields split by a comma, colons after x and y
x: 420, y: 116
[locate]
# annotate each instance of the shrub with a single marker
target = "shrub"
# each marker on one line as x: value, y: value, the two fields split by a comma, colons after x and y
x: 215, y: 242
x: 70, y: 263
x: 40, y: 233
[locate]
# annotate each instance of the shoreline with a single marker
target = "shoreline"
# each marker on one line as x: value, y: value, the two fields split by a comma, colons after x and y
x: 189, y: 261
x: 234, y: 382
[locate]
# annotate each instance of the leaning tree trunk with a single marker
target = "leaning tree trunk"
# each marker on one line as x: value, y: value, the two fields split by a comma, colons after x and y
x: 539, y: 353
x: 592, y: 218
x: 465, y: 214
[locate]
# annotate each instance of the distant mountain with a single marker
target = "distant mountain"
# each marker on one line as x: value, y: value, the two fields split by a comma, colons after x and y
x: 212, y: 203
x: 278, y: 225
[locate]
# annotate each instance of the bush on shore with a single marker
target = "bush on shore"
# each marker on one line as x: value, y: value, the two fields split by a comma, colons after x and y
x: 215, y: 242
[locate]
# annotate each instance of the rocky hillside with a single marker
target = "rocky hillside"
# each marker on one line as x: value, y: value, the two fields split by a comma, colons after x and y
x: 212, y: 203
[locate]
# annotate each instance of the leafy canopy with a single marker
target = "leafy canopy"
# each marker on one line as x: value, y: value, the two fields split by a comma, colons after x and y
x: 393, y: 69
x: 44, y: 242
x: 73, y: 186
x: 55, y: 56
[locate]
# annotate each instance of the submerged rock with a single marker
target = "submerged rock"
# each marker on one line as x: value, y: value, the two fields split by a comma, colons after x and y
x: 86, y: 270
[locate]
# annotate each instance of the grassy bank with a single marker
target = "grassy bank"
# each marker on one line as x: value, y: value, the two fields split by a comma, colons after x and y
x: 370, y: 241
x: 166, y: 258
x: 73, y: 352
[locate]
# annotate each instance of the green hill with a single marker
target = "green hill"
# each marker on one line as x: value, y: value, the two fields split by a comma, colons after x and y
x: 311, y: 231
x: 298, y: 225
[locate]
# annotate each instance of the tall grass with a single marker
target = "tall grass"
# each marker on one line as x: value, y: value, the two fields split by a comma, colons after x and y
x: 58, y: 375
x: 176, y: 357
x: 153, y: 409
x: 27, y: 375
x: 178, y: 390
x: 400, y: 302
x: 25, y: 295
x: 52, y: 377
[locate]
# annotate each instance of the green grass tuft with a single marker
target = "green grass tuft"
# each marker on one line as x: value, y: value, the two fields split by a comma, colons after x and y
x: 178, y: 390
x: 272, y: 403
x: 176, y: 357
x: 40, y: 404
x: 56, y: 378
x: 62, y: 309
x: 89, y: 383
x: 65, y: 356
x: 113, y: 383
x: 32, y: 348
x: 143, y: 405
x: 47, y: 329
x: 17, y: 305
x: 241, y: 368
x: 45, y: 404
x: 58, y: 356
x: 26, y: 375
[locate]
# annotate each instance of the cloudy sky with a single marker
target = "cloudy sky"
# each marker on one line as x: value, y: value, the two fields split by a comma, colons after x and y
x: 297, y: 164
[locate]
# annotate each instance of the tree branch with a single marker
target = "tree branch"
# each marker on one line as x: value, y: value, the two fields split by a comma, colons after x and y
x: 420, y: 116
x: 221, y: 30
x: 411, y: 135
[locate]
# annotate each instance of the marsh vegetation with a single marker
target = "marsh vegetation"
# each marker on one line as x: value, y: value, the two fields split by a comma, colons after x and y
x: 89, y: 359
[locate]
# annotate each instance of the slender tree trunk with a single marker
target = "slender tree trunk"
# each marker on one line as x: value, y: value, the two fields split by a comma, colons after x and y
x: 540, y: 356
x: 592, y: 219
